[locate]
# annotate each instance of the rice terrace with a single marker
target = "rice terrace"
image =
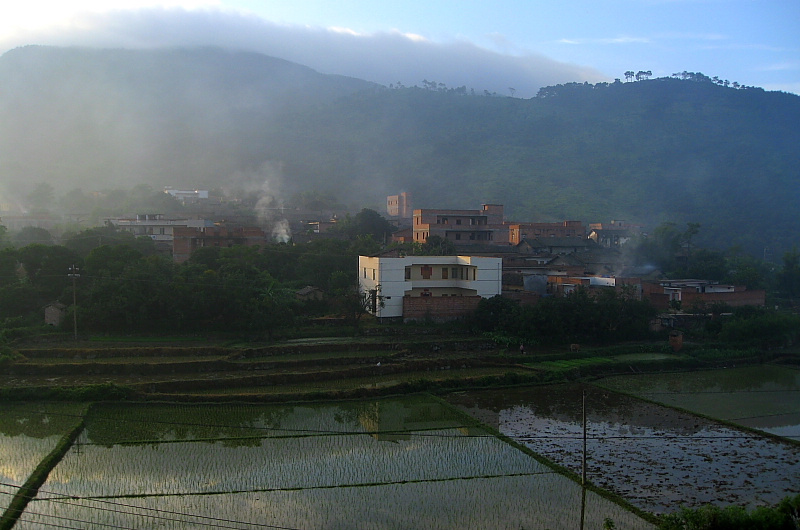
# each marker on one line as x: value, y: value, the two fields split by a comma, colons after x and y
x: 438, y: 430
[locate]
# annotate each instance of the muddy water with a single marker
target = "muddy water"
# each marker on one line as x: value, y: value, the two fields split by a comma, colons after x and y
x: 657, y: 458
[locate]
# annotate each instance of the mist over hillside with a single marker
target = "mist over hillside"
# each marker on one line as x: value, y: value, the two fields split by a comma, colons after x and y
x: 649, y: 151
x: 98, y: 118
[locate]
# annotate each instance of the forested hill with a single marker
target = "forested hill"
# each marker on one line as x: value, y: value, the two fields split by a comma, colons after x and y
x: 681, y: 150
x: 646, y: 152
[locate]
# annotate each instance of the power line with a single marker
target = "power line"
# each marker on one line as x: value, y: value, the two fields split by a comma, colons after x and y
x: 113, y: 500
x: 64, y: 499
x: 94, y: 524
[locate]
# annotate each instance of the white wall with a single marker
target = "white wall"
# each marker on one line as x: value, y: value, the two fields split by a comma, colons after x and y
x: 389, y: 274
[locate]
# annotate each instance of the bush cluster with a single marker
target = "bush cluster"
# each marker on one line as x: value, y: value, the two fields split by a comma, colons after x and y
x: 580, y: 317
x: 784, y: 516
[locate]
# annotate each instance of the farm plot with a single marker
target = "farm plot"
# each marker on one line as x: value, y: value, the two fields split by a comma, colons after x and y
x: 765, y: 397
x: 655, y: 457
x: 410, y: 462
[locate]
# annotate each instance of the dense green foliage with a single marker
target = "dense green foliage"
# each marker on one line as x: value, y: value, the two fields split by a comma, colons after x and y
x: 673, y: 251
x: 601, y: 317
x: 125, y: 287
x: 761, y: 327
x: 785, y: 516
x: 683, y: 149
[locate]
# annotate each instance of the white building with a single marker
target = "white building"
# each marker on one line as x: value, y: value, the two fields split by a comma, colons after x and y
x: 427, y: 277
x: 187, y: 196
x: 156, y: 227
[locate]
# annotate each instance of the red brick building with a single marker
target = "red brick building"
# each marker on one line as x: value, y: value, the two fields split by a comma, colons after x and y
x: 462, y: 227
x: 698, y: 293
x: 519, y: 231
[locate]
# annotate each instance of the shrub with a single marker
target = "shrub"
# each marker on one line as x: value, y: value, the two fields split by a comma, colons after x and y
x: 785, y: 516
x: 764, y: 329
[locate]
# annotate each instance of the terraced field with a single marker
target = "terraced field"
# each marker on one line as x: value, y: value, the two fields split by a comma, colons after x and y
x: 293, y: 368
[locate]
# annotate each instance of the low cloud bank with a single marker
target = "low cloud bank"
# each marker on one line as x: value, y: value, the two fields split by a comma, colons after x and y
x: 385, y: 58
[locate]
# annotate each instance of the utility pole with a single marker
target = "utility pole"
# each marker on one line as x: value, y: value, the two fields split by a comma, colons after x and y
x: 583, y: 462
x: 74, y: 273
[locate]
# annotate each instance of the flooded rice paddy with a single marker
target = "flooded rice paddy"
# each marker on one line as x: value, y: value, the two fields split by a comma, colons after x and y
x: 414, y: 462
x: 28, y: 433
x: 764, y: 397
x: 396, y: 463
x: 656, y: 457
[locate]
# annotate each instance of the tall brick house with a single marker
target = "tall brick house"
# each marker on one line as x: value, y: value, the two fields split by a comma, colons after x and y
x: 399, y: 205
x: 517, y: 232
x: 462, y: 227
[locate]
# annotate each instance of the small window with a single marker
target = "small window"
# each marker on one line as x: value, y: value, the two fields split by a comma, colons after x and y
x: 426, y: 271
x: 444, y: 273
x: 454, y: 273
x: 408, y: 273
x: 458, y: 236
x: 458, y: 221
x: 373, y: 274
x: 365, y: 272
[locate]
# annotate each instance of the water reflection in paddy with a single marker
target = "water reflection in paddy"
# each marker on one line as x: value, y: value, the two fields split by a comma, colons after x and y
x: 656, y: 457
x: 28, y: 432
x: 394, y: 463
x: 765, y: 397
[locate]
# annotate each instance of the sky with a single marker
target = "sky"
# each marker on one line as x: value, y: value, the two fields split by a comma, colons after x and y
x: 511, y: 47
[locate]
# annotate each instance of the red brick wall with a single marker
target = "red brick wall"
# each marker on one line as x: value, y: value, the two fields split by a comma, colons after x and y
x: 734, y: 299
x: 659, y: 300
x: 523, y: 297
x: 438, y: 308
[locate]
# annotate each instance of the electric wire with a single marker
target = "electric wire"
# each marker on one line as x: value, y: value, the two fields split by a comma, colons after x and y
x: 215, y: 522
x: 94, y: 524
x: 113, y: 501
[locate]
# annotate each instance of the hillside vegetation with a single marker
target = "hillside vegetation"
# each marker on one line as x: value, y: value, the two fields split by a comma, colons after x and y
x: 680, y: 150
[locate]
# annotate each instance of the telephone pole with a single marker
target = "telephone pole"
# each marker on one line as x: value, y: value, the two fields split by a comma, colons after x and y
x: 74, y: 273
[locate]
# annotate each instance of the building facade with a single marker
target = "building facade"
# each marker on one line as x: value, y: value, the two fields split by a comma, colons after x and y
x: 187, y: 196
x: 399, y: 205
x: 157, y: 227
x: 462, y: 227
x: 440, y: 280
x: 520, y: 231
x: 698, y: 293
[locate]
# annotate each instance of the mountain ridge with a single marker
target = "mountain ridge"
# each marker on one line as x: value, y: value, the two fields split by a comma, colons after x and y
x: 646, y: 151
